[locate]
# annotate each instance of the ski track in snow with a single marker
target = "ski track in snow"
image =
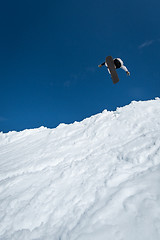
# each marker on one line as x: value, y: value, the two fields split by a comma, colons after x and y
x: 95, y: 179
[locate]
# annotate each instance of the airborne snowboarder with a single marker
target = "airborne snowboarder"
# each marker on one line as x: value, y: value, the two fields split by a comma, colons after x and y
x: 118, y: 64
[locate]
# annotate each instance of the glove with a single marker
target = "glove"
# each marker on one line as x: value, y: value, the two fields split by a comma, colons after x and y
x: 100, y: 65
x: 128, y: 73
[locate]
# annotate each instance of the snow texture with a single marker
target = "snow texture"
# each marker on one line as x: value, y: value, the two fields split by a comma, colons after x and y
x: 92, y: 180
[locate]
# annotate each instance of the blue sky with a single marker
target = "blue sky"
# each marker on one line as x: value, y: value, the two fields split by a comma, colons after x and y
x: 50, y: 50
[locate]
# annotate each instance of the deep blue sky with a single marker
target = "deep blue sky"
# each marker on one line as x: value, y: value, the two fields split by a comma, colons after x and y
x: 50, y: 50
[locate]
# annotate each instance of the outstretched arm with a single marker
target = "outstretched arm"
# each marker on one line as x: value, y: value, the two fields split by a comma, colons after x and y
x: 126, y: 70
x: 101, y: 64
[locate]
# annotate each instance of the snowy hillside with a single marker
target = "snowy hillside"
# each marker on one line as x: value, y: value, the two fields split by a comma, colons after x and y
x: 98, y: 179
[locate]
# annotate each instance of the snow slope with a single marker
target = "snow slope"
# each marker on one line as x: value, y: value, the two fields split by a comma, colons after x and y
x: 98, y: 179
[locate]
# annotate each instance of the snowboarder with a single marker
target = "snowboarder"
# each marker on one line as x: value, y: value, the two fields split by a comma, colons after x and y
x: 118, y: 64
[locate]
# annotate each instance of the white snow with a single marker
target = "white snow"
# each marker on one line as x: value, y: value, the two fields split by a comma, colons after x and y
x: 98, y: 179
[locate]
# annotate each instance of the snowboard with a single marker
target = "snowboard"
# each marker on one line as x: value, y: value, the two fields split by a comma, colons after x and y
x: 112, y: 69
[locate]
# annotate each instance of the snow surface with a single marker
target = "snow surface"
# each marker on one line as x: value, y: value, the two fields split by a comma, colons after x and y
x: 98, y: 179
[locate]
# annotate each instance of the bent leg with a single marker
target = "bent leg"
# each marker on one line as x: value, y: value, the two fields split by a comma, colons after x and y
x: 107, y: 68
